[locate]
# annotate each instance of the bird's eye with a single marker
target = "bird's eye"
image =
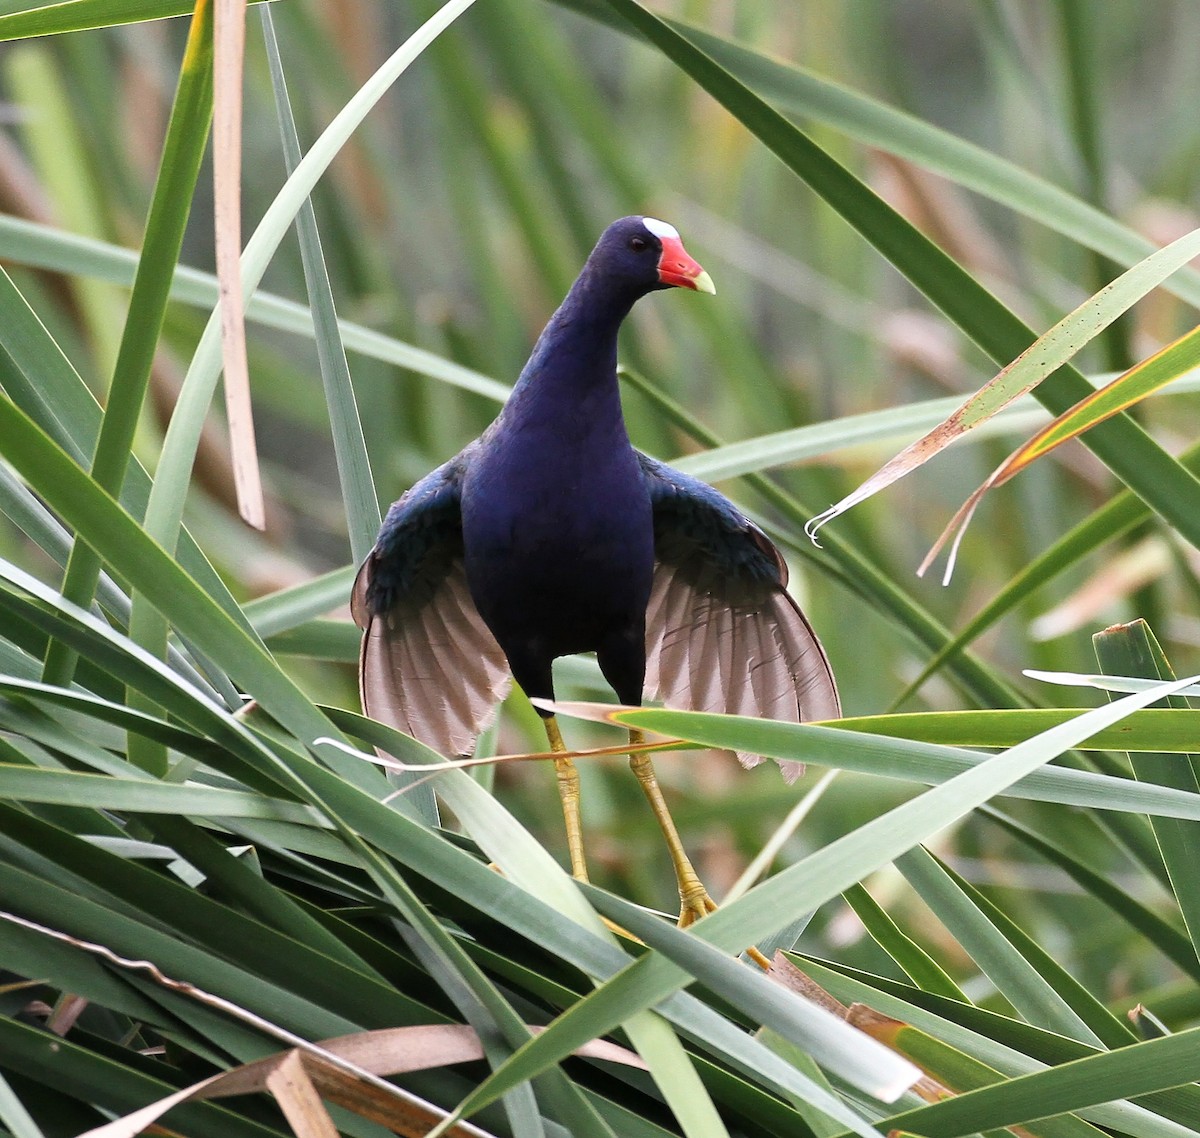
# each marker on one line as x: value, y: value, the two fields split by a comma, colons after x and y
x: 639, y: 244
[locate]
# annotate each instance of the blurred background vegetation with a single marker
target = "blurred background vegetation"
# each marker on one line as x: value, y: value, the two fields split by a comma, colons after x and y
x: 454, y: 222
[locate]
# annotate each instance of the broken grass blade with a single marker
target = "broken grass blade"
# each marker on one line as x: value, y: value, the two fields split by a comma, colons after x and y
x: 1049, y: 352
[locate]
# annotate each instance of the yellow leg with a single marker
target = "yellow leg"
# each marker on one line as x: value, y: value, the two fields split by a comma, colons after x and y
x: 568, y: 792
x: 694, y: 901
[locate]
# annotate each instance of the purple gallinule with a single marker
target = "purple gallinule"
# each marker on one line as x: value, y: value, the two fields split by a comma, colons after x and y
x: 550, y: 534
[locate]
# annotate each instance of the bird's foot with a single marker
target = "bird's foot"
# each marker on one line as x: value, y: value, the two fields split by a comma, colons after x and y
x: 694, y: 903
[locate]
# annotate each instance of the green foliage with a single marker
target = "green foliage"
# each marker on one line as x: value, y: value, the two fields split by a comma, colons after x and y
x: 184, y: 779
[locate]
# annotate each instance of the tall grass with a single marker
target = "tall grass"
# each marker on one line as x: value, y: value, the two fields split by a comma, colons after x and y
x: 895, y: 200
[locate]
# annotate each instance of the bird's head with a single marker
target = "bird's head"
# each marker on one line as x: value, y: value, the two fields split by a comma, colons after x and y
x: 649, y: 255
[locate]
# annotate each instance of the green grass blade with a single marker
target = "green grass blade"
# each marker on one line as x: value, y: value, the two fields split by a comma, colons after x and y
x: 22, y: 20
x: 354, y: 468
x: 894, y: 426
x: 903, y: 758
x: 1166, y: 937
x: 1155, y: 729
x: 59, y: 788
x: 913, y: 960
x: 955, y: 1069
x: 183, y: 150
x: 45, y: 247
x: 1125, y: 1073
x: 1133, y: 650
x: 288, y: 608
x: 1029, y: 978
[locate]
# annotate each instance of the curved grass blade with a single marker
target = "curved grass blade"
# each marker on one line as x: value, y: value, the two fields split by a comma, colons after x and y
x: 1147, y: 377
x: 1101, y: 681
x: 1051, y: 350
x: 107, y: 711
x: 164, y: 511
x: 1151, y: 375
x: 179, y: 446
x: 350, y: 449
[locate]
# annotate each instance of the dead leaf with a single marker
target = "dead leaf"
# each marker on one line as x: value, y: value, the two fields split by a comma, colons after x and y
x: 292, y: 1089
x: 1141, y: 380
x: 229, y: 44
x: 349, y: 1071
x: 1044, y: 356
x: 868, y: 1021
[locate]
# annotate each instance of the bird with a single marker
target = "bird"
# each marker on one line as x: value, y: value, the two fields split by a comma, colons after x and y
x: 550, y: 535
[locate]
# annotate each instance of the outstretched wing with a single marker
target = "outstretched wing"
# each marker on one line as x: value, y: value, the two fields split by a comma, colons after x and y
x: 428, y: 665
x: 722, y: 633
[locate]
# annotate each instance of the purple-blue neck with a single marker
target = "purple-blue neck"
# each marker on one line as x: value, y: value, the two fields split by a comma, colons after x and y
x: 576, y: 354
